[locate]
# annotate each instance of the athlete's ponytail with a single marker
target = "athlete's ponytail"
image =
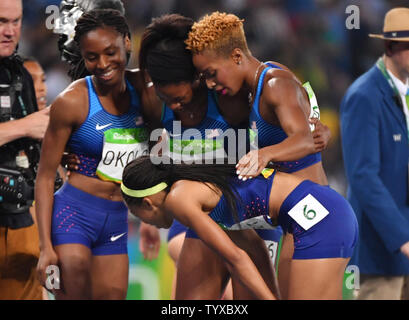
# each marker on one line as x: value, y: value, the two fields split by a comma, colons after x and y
x: 147, y: 172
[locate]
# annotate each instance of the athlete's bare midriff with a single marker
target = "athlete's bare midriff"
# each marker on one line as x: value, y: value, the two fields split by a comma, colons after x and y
x: 97, y: 187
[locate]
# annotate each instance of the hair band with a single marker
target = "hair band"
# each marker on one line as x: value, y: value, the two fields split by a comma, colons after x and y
x: 143, y: 193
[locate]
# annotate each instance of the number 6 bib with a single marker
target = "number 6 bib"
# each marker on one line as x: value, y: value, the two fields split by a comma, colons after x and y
x: 308, y: 212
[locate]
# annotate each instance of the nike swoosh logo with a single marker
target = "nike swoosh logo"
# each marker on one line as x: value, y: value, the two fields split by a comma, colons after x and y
x: 114, y: 238
x: 98, y: 127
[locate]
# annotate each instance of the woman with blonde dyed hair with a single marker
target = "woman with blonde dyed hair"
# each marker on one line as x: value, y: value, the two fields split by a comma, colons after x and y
x: 280, y: 108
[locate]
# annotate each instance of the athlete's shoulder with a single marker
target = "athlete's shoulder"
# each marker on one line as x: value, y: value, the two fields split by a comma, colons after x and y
x: 278, y: 64
x: 194, y: 192
x: 276, y: 74
x: 280, y: 81
x: 71, y: 102
x: 76, y: 92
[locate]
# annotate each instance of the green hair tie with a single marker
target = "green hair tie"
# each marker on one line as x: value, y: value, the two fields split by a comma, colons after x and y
x: 143, y: 193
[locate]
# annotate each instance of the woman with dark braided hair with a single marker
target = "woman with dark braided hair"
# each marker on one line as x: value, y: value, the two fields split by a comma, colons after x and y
x: 219, y: 207
x: 70, y: 10
x: 83, y: 228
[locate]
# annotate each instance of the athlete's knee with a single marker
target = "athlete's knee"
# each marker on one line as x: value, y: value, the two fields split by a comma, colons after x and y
x: 76, y: 269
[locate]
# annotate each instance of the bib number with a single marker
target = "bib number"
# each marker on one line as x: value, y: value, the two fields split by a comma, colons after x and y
x: 308, y: 212
x: 121, y: 146
x: 259, y: 222
x: 272, y: 247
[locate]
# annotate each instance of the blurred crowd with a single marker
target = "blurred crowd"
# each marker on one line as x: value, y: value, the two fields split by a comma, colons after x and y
x: 309, y: 36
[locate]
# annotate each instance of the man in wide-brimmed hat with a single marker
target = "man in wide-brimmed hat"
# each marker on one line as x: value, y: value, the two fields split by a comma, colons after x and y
x: 374, y: 129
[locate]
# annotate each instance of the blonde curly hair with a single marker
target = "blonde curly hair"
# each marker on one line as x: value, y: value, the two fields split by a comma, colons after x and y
x: 220, y: 32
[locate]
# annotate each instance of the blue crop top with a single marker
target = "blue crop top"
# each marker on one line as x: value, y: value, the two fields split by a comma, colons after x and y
x: 87, y: 142
x: 269, y: 134
x: 252, y: 208
x: 208, y: 139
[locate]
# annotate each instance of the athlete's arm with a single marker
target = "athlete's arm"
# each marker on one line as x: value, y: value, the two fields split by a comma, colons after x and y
x: 187, y: 201
x: 255, y: 247
x: 151, y: 104
x: 149, y: 242
x: 321, y: 134
x: 63, y: 117
x: 284, y: 98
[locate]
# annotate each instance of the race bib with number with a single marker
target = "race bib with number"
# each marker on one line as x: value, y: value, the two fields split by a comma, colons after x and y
x: 272, y: 247
x: 259, y: 222
x: 308, y: 212
x: 121, y: 146
x: 196, y: 150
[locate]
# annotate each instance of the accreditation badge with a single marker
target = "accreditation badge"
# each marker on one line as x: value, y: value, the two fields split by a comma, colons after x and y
x: 121, y: 146
x: 314, y: 109
x: 5, y: 102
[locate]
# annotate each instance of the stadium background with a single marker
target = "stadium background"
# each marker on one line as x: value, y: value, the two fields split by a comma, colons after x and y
x: 309, y: 36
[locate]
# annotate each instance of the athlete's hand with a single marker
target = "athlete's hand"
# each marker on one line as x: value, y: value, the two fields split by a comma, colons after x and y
x: 70, y: 162
x: 252, y: 164
x: 405, y: 249
x: 48, y: 257
x: 36, y: 123
x: 149, y: 242
x: 321, y: 134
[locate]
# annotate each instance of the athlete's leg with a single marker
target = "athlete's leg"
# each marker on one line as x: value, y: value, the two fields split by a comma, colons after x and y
x: 174, y: 248
x: 75, y: 272
x: 316, y: 279
x: 110, y: 276
x: 284, y: 264
x: 255, y: 247
x: 201, y: 273
x: 323, y: 249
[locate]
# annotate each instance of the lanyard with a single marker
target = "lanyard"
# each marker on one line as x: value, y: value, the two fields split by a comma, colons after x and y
x: 381, y: 66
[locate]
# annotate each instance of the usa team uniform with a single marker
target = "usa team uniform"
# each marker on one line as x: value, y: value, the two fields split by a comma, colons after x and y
x: 104, y: 143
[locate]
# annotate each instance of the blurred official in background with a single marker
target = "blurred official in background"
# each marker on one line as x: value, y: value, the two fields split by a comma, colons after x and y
x: 374, y: 128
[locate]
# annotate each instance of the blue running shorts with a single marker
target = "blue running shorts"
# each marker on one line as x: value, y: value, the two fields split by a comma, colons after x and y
x: 99, y: 224
x: 334, y: 236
